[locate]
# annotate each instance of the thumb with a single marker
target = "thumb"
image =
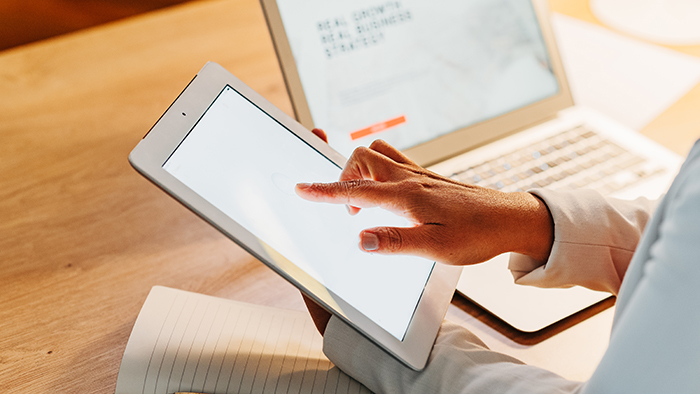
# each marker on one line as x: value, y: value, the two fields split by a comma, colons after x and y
x: 397, y: 240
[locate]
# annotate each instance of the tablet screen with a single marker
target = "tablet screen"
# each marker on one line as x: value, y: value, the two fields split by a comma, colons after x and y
x: 246, y: 164
x: 408, y: 71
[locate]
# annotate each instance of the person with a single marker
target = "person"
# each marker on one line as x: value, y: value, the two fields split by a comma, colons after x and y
x: 647, y: 253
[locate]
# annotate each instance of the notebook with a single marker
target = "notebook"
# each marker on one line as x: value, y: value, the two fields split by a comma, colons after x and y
x: 189, y: 342
x: 471, y: 90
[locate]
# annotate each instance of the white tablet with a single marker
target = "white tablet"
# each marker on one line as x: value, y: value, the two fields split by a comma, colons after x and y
x: 233, y: 158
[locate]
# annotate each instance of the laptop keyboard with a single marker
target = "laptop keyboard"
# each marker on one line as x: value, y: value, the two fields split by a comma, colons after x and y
x: 573, y: 159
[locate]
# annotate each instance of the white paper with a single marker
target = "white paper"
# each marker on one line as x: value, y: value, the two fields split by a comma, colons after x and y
x: 630, y: 81
x: 673, y: 22
x: 190, y: 342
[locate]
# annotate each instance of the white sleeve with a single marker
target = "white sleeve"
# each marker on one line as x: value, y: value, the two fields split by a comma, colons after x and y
x: 459, y: 363
x: 594, y: 240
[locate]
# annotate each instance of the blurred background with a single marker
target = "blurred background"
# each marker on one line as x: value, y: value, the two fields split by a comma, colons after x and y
x: 26, y: 21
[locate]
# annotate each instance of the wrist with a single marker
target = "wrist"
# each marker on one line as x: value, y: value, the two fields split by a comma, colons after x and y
x: 534, y: 228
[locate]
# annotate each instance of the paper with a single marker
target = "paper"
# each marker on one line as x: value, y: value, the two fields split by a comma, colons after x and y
x: 184, y: 341
x: 673, y: 22
x: 630, y: 81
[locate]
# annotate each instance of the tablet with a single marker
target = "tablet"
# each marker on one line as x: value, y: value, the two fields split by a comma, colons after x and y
x: 233, y: 158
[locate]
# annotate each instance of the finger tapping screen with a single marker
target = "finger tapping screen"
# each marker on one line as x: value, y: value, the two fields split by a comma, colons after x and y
x: 408, y: 71
x: 246, y: 164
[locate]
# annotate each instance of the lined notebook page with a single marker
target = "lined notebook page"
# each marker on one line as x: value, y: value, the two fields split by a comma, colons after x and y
x: 184, y: 341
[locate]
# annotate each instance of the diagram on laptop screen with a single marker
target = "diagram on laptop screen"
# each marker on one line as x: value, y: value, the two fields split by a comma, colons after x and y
x: 408, y: 71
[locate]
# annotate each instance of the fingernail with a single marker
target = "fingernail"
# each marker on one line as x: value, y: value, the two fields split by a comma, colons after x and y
x: 370, y: 241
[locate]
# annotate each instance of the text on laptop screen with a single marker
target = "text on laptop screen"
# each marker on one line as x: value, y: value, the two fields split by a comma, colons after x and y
x: 408, y: 71
x: 246, y: 164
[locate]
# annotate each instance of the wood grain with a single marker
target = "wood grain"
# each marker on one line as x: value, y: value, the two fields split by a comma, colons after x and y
x: 83, y: 236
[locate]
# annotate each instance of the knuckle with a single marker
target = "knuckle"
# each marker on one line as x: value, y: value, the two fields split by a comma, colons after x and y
x: 349, y: 188
x: 393, y: 240
x: 360, y: 151
x: 377, y: 144
x: 360, y: 155
x: 354, y: 183
x: 345, y: 186
x: 326, y: 188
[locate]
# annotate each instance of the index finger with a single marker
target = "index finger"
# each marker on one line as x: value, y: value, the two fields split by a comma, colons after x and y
x: 361, y: 193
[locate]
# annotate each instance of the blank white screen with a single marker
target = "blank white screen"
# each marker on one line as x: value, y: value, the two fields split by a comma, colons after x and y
x: 246, y: 164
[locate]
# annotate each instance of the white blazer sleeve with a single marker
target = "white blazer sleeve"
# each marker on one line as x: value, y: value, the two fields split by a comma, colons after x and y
x: 459, y: 363
x: 594, y: 240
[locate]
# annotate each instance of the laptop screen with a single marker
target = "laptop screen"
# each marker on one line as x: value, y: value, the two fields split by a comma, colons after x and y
x: 409, y: 71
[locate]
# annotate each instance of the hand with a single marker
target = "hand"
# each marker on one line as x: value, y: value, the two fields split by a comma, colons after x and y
x: 453, y: 223
x: 320, y: 134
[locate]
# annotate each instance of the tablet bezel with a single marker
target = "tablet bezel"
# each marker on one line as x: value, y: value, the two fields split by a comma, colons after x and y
x: 164, y: 137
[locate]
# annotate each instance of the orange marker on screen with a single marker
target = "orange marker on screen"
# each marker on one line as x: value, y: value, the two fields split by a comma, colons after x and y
x: 377, y: 127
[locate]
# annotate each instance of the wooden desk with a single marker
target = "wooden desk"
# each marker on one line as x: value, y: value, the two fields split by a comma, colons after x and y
x: 83, y: 237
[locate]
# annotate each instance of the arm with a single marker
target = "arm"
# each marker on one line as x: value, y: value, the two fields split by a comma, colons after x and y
x: 591, y: 244
x: 454, y: 223
x: 654, y: 346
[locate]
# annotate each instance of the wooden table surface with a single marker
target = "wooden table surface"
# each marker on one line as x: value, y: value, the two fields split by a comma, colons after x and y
x: 83, y: 237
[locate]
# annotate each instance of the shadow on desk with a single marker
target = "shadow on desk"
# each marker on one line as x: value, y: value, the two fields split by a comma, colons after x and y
x: 528, y: 338
x: 23, y: 22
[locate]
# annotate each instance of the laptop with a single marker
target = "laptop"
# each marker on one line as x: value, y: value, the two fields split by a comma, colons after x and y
x: 473, y: 90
